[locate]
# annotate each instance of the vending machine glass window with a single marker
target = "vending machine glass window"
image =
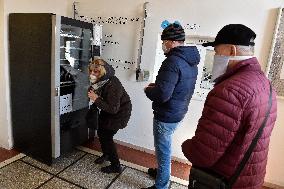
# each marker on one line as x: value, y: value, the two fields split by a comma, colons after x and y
x: 75, y: 53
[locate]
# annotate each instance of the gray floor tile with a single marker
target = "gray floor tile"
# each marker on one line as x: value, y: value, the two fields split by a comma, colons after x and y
x: 87, y: 174
x: 177, y: 186
x: 132, y: 179
x: 19, y: 175
x: 59, y: 164
x: 56, y: 183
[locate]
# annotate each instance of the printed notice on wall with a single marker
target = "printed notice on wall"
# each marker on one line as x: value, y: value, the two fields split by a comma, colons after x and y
x: 282, y: 72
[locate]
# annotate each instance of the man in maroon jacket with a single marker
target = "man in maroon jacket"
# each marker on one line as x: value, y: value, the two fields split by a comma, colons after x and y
x: 234, y: 111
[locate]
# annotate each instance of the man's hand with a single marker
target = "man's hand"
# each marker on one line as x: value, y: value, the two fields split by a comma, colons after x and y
x: 92, y: 95
x: 150, y: 85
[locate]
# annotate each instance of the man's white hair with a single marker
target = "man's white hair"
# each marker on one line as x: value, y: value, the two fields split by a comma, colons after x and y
x: 245, y: 50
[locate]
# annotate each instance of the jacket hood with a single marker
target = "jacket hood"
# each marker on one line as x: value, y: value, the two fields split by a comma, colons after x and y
x: 109, y: 72
x: 189, y: 53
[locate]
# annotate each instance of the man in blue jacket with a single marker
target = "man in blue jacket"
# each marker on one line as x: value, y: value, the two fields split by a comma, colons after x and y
x: 171, y: 94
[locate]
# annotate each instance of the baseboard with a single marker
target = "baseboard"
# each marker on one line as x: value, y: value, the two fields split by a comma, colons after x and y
x: 270, y: 185
x: 149, y: 151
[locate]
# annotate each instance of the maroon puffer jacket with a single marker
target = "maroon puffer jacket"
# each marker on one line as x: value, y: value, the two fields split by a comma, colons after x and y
x: 232, y: 114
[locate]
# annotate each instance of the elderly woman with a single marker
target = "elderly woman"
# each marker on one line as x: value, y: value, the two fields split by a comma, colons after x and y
x: 108, y: 95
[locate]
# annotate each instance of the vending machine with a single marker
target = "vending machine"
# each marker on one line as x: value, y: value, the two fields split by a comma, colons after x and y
x: 49, y: 56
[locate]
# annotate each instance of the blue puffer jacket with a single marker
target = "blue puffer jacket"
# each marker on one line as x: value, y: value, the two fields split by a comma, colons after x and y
x: 174, y: 84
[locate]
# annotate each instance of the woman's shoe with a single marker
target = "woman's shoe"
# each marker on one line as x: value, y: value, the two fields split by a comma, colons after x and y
x: 101, y: 159
x: 152, y: 172
x: 151, y: 187
x: 111, y: 169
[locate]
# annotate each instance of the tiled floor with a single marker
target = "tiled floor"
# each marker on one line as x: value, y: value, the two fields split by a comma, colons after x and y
x: 75, y: 170
x: 179, y: 170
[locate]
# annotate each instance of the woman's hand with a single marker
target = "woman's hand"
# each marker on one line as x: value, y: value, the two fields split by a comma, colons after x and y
x: 92, y: 95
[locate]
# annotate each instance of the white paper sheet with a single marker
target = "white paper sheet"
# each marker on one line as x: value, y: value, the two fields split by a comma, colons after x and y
x: 65, y: 104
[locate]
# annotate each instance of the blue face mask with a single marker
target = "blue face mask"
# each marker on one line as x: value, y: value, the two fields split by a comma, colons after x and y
x: 220, y: 64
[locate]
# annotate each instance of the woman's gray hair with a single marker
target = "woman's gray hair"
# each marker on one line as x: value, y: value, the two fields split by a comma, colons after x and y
x: 245, y: 50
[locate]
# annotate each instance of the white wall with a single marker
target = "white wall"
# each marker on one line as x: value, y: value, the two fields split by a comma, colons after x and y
x: 139, y: 131
x: 275, y: 166
x: 6, y: 7
x: 260, y: 15
x: 3, y: 110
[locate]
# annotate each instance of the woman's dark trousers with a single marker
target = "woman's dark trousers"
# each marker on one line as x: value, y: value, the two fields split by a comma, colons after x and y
x: 108, y: 146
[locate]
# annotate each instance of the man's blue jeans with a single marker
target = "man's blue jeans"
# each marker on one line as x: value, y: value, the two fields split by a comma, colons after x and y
x: 163, y: 140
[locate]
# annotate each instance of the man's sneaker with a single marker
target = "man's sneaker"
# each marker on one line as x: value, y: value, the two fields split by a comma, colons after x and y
x: 111, y: 169
x: 152, y: 172
x: 151, y: 187
x: 101, y: 159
